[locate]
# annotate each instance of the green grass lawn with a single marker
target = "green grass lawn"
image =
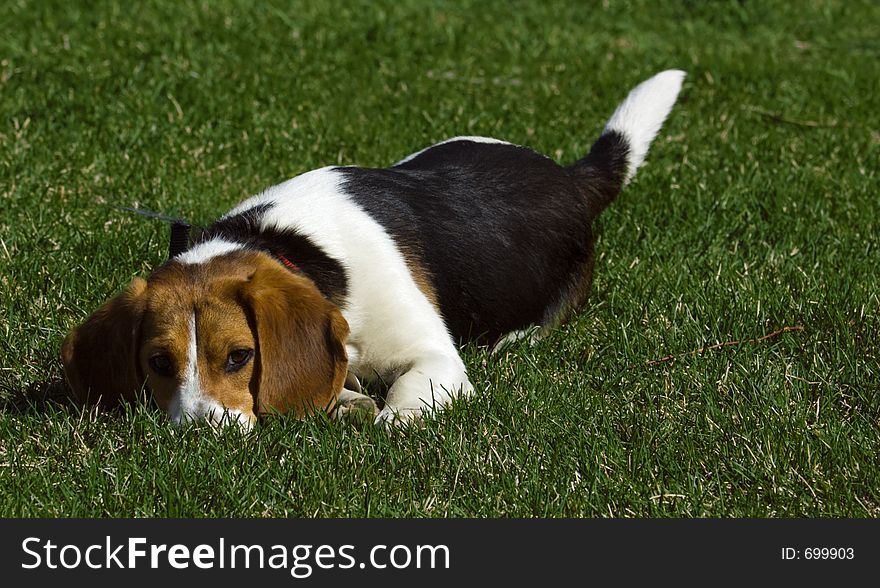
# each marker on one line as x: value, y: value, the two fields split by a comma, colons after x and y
x: 758, y: 209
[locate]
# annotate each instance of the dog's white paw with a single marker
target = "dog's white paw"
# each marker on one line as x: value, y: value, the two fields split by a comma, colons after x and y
x: 400, y: 417
x: 355, y: 408
x: 530, y: 334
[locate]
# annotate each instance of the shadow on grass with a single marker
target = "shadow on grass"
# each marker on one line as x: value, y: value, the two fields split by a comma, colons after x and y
x: 36, y: 397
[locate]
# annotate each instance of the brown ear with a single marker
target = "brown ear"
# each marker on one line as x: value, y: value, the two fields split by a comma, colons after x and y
x: 99, y: 356
x: 301, y: 358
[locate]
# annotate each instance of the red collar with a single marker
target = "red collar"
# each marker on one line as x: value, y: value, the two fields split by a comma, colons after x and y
x: 287, y: 262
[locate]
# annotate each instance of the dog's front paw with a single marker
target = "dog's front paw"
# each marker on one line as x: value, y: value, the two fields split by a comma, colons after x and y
x: 355, y: 408
x: 400, y: 417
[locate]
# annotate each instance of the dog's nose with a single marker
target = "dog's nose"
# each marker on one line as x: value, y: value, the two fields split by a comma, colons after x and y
x: 224, y: 417
x: 184, y: 408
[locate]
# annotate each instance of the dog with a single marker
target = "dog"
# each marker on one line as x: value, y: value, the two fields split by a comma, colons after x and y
x: 350, y: 274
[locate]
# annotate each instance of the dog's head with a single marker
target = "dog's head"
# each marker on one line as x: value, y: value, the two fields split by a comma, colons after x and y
x: 225, y: 340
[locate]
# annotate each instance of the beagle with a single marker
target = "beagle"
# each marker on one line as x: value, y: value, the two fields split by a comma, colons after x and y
x: 344, y: 274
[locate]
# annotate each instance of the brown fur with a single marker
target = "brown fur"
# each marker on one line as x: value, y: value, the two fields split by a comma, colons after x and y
x: 99, y: 356
x: 244, y: 300
x: 293, y: 320
x: 420, y: 275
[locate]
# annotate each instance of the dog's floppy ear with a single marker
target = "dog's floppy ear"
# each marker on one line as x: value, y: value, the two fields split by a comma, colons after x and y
x: 99, y: 356
x: 301, y: 358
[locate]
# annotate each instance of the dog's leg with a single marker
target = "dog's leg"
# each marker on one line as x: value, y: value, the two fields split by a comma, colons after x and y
x: 432, y: 382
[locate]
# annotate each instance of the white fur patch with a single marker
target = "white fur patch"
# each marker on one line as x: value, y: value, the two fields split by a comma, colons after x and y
x: 202, y: 252
x: 453, y: 139
x: 187, y: 400
x: 640, y: 116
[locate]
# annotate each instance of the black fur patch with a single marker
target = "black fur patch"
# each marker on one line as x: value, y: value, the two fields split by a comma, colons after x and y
x: 601, y: 173
x: 501, y: 229
x: 328, y: 274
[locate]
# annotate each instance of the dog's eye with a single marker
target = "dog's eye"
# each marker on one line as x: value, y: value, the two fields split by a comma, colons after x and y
x: 162, y: 365
x: 237, y: 359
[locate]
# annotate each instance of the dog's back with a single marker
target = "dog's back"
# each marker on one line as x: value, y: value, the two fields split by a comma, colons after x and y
x: 504, y: 232
x: 499, y: 228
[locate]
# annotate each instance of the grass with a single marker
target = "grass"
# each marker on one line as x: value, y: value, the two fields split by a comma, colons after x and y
x: 758, y: 209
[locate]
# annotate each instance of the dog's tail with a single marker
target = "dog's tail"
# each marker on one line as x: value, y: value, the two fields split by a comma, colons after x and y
x: 623, y: 145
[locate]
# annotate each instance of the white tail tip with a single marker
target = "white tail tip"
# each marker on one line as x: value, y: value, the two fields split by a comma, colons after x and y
x: 640, y: 116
